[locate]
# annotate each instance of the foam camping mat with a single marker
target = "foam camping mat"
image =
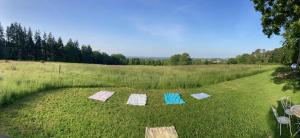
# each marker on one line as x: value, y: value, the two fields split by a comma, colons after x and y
x: 161, y: 132
x: 173, y: 98
x: 200, y: 96
x: 102, y: 95
x: 137, y: 99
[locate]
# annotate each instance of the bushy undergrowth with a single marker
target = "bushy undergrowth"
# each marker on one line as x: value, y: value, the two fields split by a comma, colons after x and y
x: 30, y: 77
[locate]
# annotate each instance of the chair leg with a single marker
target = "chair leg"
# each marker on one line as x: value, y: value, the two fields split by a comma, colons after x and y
x: 280, y: 129
x: 290, y: 129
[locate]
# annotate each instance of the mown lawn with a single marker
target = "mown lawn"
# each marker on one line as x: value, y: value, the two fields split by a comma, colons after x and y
x: 237, y: 108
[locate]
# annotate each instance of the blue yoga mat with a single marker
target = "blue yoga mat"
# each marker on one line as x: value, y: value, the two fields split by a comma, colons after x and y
x: 173, y: 98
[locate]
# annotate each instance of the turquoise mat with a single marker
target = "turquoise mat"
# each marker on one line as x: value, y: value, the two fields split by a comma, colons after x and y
x: 173, y: 98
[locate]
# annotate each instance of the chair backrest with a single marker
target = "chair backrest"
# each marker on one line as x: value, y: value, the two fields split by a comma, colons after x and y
x: 275, y: 112
x: 285, y: 102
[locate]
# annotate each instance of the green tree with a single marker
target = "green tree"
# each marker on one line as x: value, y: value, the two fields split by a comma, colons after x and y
x: 72, y: 51
x: 174, y: 60
x: 15, y: 37
x: 37, y: 46
x: 258, y: 55
x: 232, y: 61
x: 86, y: 54
x: 59, y: 50
x: 106, y: 59
x: 206, y: 62
x: 19, y: 44
x: 246, y: 59
x: 197, y: 62
x: 23, y: 50
x: 97, y: 57
x: 119, y: 59
x: 241, y: 59
x: 185, y: 59
x: 288, y: 57
x: 2, y: 42
x: 134, y: 61
x: 29, y: 45
x: 282, y: 17
x: 44, y: 47
x: 51, y: 47
x: 158, y: 63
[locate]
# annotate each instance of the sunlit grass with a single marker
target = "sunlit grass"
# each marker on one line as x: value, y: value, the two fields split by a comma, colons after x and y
x: 238, y: 108
x: 22, y: 78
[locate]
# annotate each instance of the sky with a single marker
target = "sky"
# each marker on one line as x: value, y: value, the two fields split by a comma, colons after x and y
x: 147, y: 28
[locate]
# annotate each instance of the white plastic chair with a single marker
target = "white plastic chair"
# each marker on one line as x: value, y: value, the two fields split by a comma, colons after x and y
x: 286, y: 105
x: 282, y: 120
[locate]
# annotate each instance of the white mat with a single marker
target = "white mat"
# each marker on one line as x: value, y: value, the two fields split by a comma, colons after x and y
x: 102, y: 95
x: 161, y: 132
x: 137, y: 99
x: 200, y: 96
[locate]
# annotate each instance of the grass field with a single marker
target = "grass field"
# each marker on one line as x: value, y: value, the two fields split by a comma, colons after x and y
x: 22, y: 78
x: 46, y: 103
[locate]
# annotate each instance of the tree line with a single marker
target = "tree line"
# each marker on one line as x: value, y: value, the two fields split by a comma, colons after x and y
x: 283, y: 55
x: 177, y: 59
x: 19, y: 43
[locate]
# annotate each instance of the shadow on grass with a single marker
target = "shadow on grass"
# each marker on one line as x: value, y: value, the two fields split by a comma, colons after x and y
x: 285, y: 132
x: 290, y: 79
x: 10, y: 99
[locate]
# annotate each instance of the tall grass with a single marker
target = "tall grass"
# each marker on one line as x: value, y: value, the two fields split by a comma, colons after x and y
x: 21, y: 78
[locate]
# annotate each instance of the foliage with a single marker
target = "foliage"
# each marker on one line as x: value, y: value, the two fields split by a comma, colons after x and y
x: 282, y: 17
x: 174, y: 60
x: 20, y: 44
x: 180, y: 59
x: 197, y: 62
x: 232, y: 61
x: 260, y: 56
x: 119, y: 59
x: 185, y: 59
x: 2, y: 41
x: 72, y: 51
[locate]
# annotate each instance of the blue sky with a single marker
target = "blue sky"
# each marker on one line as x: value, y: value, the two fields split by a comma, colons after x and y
x: 149, y: 28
